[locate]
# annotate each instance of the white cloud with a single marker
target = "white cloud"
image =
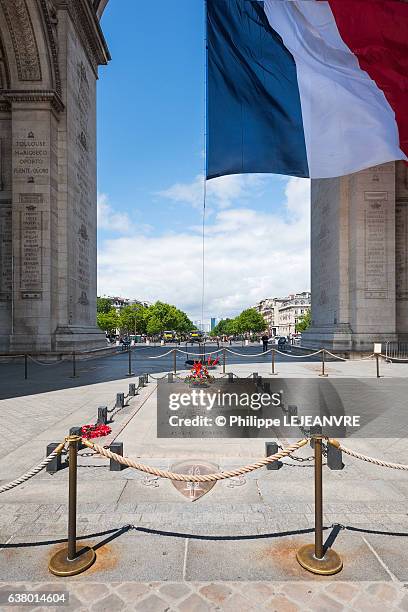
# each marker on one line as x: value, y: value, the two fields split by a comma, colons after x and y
x: 221, y: 192
x: 249, y: 255
x: 109, y: 219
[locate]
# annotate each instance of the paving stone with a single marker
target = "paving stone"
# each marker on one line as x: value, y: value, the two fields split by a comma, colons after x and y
x: 195, y: 603
x: 153, y: 603
x: 131, y: 591
x: 216, y: 592
x: 176, y: 591
x: 387, y: 593
x: 280, y: 603
x: 322, y: 602
x: 237, y: 602
x: 91, y: 592
x: 258, y: 592
x: 112, y: 603
x: 343, y: 591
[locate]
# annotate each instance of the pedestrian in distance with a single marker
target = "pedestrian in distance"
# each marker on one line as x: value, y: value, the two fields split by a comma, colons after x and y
x: 265, y: 340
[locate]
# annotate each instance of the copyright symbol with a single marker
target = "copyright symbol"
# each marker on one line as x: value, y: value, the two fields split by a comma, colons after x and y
x: 220, y: 421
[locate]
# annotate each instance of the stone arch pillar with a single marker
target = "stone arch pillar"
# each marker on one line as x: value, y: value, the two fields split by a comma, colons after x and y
x: 49, y: 59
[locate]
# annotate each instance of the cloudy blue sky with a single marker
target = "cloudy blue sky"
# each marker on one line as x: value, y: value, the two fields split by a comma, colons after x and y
x: 150, y: 178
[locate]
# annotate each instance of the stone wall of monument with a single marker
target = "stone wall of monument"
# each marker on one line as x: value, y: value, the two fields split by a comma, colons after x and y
x: 49, y: 56
x: 359, y: 267
x: 5, y: 227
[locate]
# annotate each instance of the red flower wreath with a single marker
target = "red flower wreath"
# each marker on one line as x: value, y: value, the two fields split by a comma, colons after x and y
x: 95, y: 431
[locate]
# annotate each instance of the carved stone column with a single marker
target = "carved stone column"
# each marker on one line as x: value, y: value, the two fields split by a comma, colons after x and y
x: 35, y: 222
x: 353, y: 261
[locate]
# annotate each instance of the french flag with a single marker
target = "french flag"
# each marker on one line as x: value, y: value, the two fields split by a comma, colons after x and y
x: 306, y: 88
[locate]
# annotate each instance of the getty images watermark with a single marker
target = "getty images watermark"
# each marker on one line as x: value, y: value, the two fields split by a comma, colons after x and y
x: 291, y: 407
x: 208, y: 401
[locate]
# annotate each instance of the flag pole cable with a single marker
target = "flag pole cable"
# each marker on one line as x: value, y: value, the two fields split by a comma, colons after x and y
x: 205, y: 162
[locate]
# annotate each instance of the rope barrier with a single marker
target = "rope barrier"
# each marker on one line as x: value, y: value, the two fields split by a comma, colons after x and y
x: 298, y: 356
x: 206, y: 354
x: 199, y: 478
x: 250, y: 355
x: 33, y: 471
x: 335, y: 356
x: 356, y: 455
x: 42, y: 363
x: 160, y: 356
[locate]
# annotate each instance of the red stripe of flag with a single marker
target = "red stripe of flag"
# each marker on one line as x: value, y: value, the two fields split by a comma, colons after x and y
x: 376, y: 31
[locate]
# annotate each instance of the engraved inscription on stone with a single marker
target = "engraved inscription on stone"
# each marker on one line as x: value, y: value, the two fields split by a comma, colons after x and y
x: 401, y: 249
x: 31, y: 156
x: 5, y: 252
x: 31, y: 238
x: 375, y: 224
x: 83, y: 204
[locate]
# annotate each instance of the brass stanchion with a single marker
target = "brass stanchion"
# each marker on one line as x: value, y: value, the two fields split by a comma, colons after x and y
x: 76, y: 558
x: 224, y: 359
x: 273, y: 363
x: 130, y: 373
x: 323, y: 372
x: 314, y: 557
x: 175, y: 361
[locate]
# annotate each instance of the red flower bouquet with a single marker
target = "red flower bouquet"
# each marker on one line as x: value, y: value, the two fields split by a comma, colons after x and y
x: 199, y: 375
x: 95, y: 431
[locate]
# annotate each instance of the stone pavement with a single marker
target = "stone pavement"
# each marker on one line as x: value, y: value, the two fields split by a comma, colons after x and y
x: 198, y: 596
x: 233, y: 548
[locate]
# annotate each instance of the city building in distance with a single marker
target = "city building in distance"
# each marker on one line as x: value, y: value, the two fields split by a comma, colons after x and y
x: 282, y: 314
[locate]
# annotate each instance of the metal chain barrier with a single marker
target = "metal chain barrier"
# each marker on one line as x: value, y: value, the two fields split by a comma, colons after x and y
x: 356, y: 455
x: 34, y: 471
x: 190, y: 478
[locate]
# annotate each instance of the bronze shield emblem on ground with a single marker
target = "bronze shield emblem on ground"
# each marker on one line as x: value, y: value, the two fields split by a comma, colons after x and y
x: 193, y: 467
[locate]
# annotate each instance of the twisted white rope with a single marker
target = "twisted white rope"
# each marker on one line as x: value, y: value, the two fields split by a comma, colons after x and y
x: 33, y: 471
x: 163, y: 355
x: 190, y: 478
x: 209, y: 353
x: 356, y: 455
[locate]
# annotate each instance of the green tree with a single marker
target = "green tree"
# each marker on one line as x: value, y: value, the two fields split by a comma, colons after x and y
x: 225, y: 327
x: 132, y: 319
x: 304, y: 322
x: 108, y: 321
x: 167, y: 317
x: 250, y: 320
x: 154, y: 326
x: 103, y: 305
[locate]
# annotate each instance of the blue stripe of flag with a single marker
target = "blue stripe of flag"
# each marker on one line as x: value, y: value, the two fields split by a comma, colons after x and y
x: 254, y: 117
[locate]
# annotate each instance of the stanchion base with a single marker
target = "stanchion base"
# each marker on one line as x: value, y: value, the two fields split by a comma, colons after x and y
x: 329, y: 565
x: 274, y: 374
x: 130, y: 375
x: 323, y: 375
x: 60, y: 566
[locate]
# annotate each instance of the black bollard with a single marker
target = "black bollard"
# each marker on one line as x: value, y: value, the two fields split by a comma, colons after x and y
x: 102, y: 415
x: 54, y: 465
x: 334, y: 458
x: 114, y: 466
x: 270, y: 449
x: 120, y: 400
x: 170, y: 377
x: 132, y: 390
